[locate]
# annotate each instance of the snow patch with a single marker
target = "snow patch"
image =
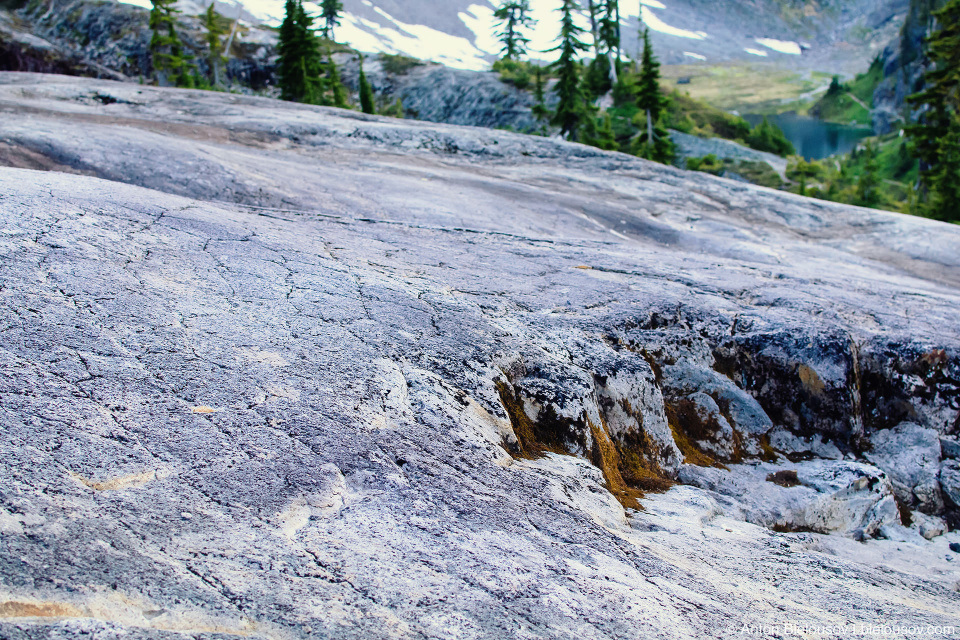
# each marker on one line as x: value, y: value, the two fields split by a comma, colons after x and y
x: 651, y: 20
x: 632, y: 7
x: 756, y: 52
x: 145, y: 4
x: 781, y: 46
x: 269, y: 12
x: 479, y: 19
x: 415, y: 40
x: 695, y: 56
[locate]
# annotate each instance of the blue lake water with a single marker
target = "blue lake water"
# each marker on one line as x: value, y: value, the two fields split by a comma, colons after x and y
x: 815, y: 139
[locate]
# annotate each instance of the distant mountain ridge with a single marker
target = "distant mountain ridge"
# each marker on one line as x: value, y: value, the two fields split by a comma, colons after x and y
x: 832, y: 34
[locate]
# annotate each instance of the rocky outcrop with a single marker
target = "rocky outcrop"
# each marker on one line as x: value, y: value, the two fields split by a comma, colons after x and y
x: 112, y: 40
x: 824, y: 496
x: 904, y: 65
x: 20, y: 50
x: 691, y: 146
x: 284, y: 371
x: 440, y: 94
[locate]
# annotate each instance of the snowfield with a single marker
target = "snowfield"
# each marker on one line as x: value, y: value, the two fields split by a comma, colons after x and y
x: 462, y: 33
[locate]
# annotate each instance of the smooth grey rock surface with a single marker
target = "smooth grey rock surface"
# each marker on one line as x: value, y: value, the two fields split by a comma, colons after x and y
x: 950, y: 480
x: 825, y: 496
x: 252, y: 358
x: 911, y: 456
x: 691, y: 146
x: 950, y: 447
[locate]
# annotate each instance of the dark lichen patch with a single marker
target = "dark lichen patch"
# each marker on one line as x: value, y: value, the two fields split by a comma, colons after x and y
x: 628, y: 464
x: 527, y: 445
x: 688, y: 428
x: 906, y: 513
x: 785, y: 478
x: 767, y: 452
x: 792, y: 528
x: 605, y: 456
x: 638, y: 466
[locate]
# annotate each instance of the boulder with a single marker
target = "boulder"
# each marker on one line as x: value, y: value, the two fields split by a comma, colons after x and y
x: 826, y: 496
x: 950, y: 447
x: 910, y: 454
x: 950, y: 481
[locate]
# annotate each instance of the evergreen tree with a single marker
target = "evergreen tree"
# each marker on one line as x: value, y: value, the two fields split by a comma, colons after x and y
x: 835, y: 86
x: 540, y: 111
x: 394, y: 110
x: 660, y: 149
x: 867, y: 192
x: 288, y: 63
x: 601, y: 136
x: 609, y: 27
x: 299, y: 63
x: 593, y: 11
x: 625, y: 90
x: 571, y: 104
x: 330, y: 13
x: 597, y: 78
x: 512, y: 16
x: 939, y: 101
x: 337, y: 92
x: 649, y: 98
x: 605, y: 25
x: 945, y: 180
x: 170, y: 63
x: 654, y: 142
x: 215, y: 31
x: 768, y: 137
x: 366, y: 92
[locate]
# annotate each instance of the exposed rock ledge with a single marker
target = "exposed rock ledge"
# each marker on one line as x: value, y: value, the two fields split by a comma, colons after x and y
x: 315, y: 374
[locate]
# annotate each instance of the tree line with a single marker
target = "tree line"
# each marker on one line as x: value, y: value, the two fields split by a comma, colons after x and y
x: 935, y: 135
x: 581, y: 75
x: 306, y: 70
x: 580, y: 82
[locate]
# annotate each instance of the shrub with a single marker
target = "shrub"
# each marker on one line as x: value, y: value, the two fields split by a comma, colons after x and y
x: 398, y: 65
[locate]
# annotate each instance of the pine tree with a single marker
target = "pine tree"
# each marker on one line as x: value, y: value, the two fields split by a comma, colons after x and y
x: 661, y: 149
x: 609, y: 27
x: 366, y: 92
x: 337, y: 92
x: 330, y: 13
x: 571, y: 104
x: 945, y: 180
x: 649, y: 98
x: 170, y: 63
x: 654, y: 142
x: 299, y: 63
x: 835, y: 86
x: 605, y: 26
x: 289, y: 63
x: 767, y: 136
x: 512, y: 16
x: 939, y: 101
x: 215, y: 56
x: 601, y: 136
x: 539, y: 109
x: 597, y: 79
x: 869, y: 181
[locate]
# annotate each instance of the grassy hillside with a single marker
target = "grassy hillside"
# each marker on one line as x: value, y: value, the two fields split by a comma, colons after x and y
x: 747, y: 87
x: 850, y: 103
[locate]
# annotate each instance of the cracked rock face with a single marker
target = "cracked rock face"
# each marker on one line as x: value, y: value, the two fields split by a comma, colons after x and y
x: 289, y: 372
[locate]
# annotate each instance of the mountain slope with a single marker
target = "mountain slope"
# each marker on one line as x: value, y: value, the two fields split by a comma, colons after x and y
x: 837, y: 34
